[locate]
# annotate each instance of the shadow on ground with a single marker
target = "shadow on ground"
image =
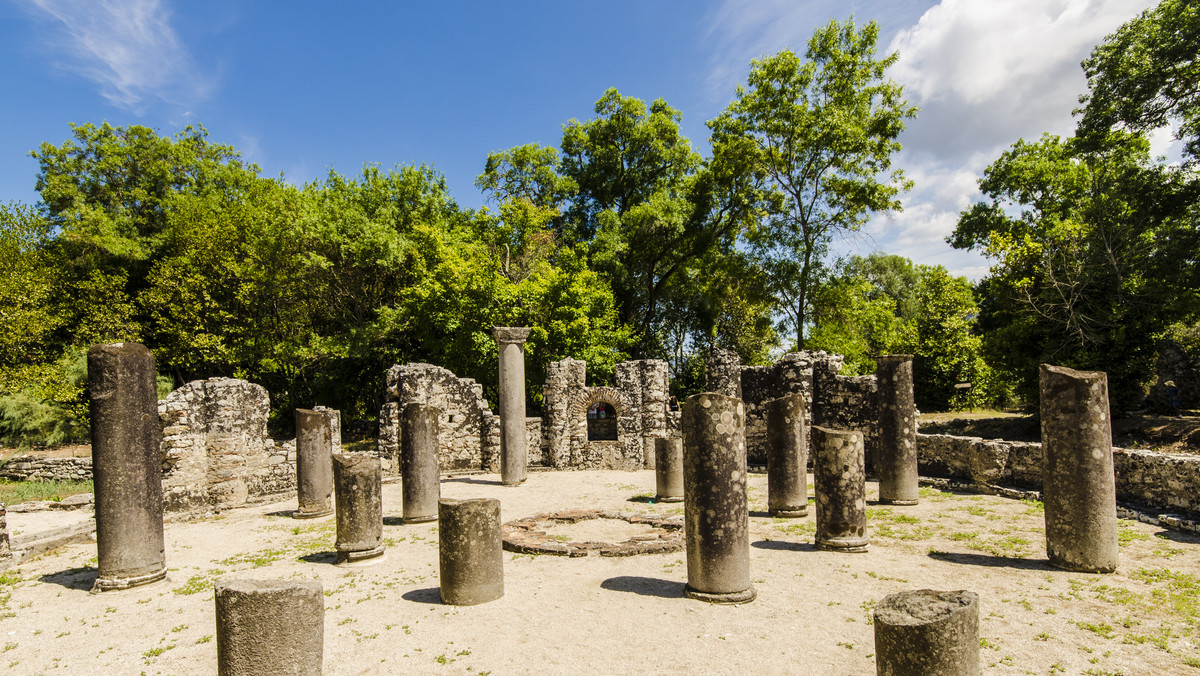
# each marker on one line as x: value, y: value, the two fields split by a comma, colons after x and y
x: 991, y: 561
x: 320, y: 557
x: 785, y: 546
x: 644, y: 586
x: 73, y: 578
x: 473, y: 480
x: 429, y: 595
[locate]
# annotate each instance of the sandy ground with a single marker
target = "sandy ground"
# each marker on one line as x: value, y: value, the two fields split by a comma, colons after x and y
x: 598, y: 615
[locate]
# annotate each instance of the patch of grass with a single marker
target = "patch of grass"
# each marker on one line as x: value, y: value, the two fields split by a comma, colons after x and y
x: 256, y: 559
x: 12, y: 492
x: 798, y: 529
x: 1103, y: 629
x: 1127, y: 535
x: 204, y: 639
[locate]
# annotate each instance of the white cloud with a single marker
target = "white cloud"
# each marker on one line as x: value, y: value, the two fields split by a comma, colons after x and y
x: 127, y: 47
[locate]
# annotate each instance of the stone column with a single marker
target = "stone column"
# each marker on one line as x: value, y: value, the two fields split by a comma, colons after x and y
x: 359, y: 493
x: 927, y: 632
x: 420, y: 478
x: 668, y: 469
x: 839, y: 481
x: 716, y: 513
x: 314, y: 465
x: 269, y: 627
x: 470, y: 551
x: 1078, y: 484
x: 787, y: 457
x: 897, y: 461
x: 126, y: 466
x: 513, y: 454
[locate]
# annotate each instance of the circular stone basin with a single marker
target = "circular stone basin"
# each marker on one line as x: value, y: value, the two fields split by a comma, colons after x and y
x: 582, y: 532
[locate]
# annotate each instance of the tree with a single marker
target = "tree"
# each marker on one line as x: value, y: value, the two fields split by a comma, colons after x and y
x: 1145, y: 76
x: 817, y: 138
x: 948, y: 349
x: 1096, y: 262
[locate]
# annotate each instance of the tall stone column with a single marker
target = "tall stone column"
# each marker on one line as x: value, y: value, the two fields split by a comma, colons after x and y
x: 513, y: 451
x: 314, y: 465
x: 787, y: 457
x: 839, y: 480
x: 927, y: 632
x: 1078, y: 484
x: 470, y: 551
x: 419, y: 474
x: 270, y: 627
x: 359, y: 494
x: 126, y: 466
x: 897, y: 461
x: 716, y: 512
x: 668, y: 469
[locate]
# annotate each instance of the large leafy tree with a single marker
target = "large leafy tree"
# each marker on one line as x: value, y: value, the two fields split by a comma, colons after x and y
x: 1094, y: 254
x: 816, y: 136
x: 1145, y: 76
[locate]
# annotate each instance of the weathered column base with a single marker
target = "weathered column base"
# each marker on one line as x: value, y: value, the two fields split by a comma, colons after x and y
x: 847, y: 545
x: 898, y: 503
x: 788, y: 513
x: 731, y: 598
x: 677, y: 499
x: 119, y: 583
x: 367, y: 557
x: 301, y: 514
x: 418, y: 519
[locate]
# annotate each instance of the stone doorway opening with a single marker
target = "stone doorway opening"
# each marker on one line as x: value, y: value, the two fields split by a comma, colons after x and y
x: 602, y: 422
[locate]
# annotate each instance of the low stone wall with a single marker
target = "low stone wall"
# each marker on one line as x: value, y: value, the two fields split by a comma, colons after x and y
x: 1167, y: 481
x: 47, y: 469
x: 468, y: 431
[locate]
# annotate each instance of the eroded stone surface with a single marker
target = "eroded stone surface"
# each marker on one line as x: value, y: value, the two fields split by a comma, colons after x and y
x: 419, y: 463
x: 359, y: 494
x: 127, y: 466
x: 269, y: 627
x: 470, y: 553
x: 897, y: 456
x: 716, y: 513
x: 314, y: 465
x: 839, y: 481
x: 787, y: 457
x: 1079, y: 487
x: 927, y: 632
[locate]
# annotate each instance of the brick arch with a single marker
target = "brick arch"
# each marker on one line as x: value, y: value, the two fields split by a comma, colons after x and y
x: 595, y: 395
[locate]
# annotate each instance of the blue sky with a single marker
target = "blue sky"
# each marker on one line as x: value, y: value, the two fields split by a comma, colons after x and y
x: 302, y: 87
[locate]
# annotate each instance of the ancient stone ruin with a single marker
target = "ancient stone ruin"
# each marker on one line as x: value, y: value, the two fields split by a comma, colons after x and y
x: 215, y: 448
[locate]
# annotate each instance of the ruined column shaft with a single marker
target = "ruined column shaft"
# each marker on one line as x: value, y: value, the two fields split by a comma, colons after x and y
x: 1078, y: 483
x: 314, y: 465
x: 927, y: 632
x: 513, y: 451
x: 470, y: 551
x: 716, y: 513
x: 359, y: 481
x: 787, y: 457
x: 668, y: 469
x: 420, y: 476
x: 126, y: 465
x: 839, y: 481
x: 897, y: 461
x: 269, y: 627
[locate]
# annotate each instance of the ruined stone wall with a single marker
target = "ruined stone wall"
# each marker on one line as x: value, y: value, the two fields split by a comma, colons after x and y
x: 1144, y: 478
x: 846, y: 402
x: 468, y: 431
x: 215, y: 448
x: 533, y: 441
x: 24, y: 468
x: 639, y: 398
x: 723, y: 373
x: 792, y: 374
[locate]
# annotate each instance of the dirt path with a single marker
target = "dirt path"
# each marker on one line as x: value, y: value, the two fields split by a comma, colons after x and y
x: 624, y: 615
